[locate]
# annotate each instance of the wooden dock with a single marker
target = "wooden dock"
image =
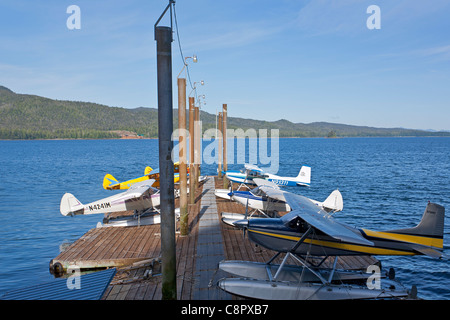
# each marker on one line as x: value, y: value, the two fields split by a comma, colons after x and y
x: 135, y: 252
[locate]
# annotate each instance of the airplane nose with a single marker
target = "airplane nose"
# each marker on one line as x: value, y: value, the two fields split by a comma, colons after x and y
x: 241, y: 223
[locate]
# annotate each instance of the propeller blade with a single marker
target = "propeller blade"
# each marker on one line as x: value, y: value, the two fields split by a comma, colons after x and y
x: 242, y: 224
x: 246, y: 210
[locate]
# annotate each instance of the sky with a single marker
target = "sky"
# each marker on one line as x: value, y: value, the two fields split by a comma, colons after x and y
x: 304, y: 61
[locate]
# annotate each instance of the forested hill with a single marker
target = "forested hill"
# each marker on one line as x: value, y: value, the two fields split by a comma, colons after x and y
x: 24, y: 116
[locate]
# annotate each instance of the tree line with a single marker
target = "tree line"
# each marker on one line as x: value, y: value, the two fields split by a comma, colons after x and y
x: 25, y: 116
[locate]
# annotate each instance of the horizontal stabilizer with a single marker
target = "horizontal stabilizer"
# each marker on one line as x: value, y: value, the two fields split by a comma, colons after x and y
x: 427, y: 251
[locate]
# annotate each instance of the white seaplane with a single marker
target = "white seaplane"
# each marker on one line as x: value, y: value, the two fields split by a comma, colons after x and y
x: 246, y: 175
x: 141, y: 197
x: 261, y: 204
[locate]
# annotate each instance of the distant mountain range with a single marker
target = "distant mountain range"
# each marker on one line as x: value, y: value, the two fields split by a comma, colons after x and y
x: 24, y: 116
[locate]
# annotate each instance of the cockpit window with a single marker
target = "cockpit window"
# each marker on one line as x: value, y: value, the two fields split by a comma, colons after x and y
x: 152, y: 191
x: 255, y: 174
x: 297, y: 224
x: 256, y: 191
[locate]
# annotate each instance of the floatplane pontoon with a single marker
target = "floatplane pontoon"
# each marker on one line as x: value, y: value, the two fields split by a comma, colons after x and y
x: 246, y: 175
x: 310, y: 231
x: 141, y: 197
x: 262, y: 205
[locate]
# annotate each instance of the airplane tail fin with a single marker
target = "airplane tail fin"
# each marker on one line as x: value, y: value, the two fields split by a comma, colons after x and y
x: 108, y: 180
x: 148, y: 170
x: 431, y: 225
x: 429, y: 232
x: 304, y: 176
x: 70, y: 205
x: 334, y: 202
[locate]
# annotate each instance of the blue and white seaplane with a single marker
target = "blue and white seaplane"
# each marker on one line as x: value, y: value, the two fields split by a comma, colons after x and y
x: 263, y: 205
x: 307, y: 232
x: 246, y: 175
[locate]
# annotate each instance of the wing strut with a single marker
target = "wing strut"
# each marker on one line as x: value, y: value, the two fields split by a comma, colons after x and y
x: 291, y: 253
x: 299, y: 242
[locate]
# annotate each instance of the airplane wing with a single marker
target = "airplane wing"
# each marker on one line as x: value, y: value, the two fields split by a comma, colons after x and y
x: 318, y: 218
x: 278, y: 194
x: 140, y: 187
x: 333, y: 228
x: 262, y: 182
x: 252, y: 167
x: 273, y: 193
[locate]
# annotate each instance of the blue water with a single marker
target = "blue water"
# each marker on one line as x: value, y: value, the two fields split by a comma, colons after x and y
x: 385, y: 182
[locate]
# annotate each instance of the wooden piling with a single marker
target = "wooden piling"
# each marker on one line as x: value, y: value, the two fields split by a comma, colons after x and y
x: 191, y: 152
x: 163, y: 37
x: 219, y: 147
x: 224, y: 137
x: 184, y: 228
x: 197, y: 145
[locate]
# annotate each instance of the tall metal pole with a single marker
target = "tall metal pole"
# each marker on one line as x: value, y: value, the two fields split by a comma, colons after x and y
x: 184, y: 227
x: 191, y: 151
x: 163, y: 37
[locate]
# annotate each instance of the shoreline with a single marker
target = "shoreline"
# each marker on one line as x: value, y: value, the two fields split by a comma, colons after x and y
x: 127, y: 139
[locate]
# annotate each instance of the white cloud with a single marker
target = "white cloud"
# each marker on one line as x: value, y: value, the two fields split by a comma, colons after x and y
x: 440, y: 53
x: 322, y: 17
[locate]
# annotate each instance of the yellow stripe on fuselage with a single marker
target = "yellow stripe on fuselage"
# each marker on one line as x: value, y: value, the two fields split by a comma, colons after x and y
x: 426, y: 241
x: 127, y: 184
x: 340, y: 245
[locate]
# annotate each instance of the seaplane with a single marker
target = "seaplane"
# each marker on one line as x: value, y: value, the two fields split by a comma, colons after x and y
x: 265, y: 206
x: 309, y: 231
x: 111, y: 183
x: 246, y: 175
x: 141, y: 197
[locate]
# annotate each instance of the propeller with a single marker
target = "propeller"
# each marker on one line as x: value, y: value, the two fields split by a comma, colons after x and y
x: 230, y: 193
x: 242, y: 224
x: 246, y: 210
x: 244, y: 228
